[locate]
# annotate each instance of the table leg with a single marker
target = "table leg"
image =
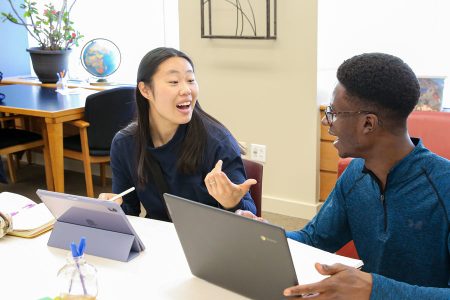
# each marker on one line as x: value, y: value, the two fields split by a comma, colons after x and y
x: 47, y: 161
x: 55, y: 141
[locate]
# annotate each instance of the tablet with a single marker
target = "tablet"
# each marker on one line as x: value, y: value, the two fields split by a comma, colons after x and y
x: 98, y: 218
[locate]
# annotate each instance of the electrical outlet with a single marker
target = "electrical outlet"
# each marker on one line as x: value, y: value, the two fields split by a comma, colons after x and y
x: 258, y: 152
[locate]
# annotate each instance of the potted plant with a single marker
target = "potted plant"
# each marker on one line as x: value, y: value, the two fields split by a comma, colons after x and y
x: 53, y: 30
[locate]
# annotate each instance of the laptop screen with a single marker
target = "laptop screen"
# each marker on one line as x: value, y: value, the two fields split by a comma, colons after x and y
x: 246, y: 256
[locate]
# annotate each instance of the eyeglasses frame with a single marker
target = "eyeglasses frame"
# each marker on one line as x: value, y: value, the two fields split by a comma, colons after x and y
x: 330, y: 114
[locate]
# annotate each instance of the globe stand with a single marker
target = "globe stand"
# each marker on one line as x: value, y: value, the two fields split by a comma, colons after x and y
x: 101, y: 81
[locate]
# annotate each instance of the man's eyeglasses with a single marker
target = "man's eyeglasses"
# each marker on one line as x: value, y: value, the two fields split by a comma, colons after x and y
x: 331, y: 115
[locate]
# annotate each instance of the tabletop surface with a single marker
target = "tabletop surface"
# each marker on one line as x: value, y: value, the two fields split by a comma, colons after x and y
x: 30, y: 97
x: 29, y: 269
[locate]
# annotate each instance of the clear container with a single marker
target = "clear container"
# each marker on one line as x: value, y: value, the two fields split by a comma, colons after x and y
x: 77, y: 280
x: 61, y: 84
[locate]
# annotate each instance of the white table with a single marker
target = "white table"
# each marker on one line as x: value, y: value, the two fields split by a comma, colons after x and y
x: 29, y: 267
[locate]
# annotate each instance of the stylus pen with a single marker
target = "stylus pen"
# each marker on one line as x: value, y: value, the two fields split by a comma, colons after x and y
x: 122, y: 194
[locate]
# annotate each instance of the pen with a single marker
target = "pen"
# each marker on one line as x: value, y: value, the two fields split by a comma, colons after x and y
x: 76, y: 254
x: 122, y: 194
x: 25, y: 207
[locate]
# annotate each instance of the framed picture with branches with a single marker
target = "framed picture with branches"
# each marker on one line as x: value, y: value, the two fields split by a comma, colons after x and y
x: 239, y: 19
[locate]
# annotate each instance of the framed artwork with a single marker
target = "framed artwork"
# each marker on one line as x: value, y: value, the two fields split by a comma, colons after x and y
x: 239, y: 19
x: 431, y: 93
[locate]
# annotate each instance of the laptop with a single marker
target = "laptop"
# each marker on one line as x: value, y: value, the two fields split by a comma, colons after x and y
x: 245, y: 256
x: 104, y: 224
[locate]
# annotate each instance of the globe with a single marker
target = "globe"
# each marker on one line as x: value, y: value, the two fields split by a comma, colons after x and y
x: 100, y: 58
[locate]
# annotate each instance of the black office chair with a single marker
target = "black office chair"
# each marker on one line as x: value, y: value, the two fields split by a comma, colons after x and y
x: 106, y: 113
x: 13, y: 141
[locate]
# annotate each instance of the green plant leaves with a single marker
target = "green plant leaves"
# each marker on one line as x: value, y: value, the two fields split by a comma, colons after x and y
x: 52, y: 28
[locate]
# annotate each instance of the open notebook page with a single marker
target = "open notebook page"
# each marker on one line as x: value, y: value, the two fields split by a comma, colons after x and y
x: 304, y: 258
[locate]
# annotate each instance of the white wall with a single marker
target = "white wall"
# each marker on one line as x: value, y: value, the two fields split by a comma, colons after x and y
x: 264, y: 91
x: 415, y: 30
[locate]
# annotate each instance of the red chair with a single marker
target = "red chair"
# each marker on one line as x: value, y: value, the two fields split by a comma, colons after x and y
x: 348, y: 249
x: 254, y: 170
x: 431, y: 127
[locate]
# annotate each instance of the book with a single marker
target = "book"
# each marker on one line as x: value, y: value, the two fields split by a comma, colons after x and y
x: 304, y: 257
x: 29, y: 218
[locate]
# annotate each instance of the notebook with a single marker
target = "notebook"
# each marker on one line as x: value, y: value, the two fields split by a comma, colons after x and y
x: 29, y: 218
x: 246, y: 256
x: 107, y: 229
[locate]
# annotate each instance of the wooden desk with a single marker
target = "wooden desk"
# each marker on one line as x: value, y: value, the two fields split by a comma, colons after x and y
x: 55, y: 108
x: 30, y: 80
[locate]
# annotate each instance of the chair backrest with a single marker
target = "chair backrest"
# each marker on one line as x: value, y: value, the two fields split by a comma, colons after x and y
x: 108, y: 112
x: 254, y: 170
x: 431, y: 127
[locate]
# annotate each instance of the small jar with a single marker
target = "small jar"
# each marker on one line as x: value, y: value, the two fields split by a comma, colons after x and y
x: 77, y: 280
x: 5, y: 224
x: 61, y: 84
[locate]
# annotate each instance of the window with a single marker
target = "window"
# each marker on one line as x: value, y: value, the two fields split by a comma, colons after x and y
x: 135, y: 26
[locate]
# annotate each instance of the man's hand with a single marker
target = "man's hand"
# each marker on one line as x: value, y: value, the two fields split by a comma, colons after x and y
x: 344, y: 283
x: 223, y: 190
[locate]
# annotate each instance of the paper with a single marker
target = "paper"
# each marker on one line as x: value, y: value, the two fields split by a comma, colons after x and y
x: 304, y: 258
x: 32, y: 218
x: 28, y: 218
x: 10, y: 202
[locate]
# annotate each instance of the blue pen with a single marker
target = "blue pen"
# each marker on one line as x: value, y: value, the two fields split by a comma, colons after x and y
x: 76, y: 254
x: 82, y: 246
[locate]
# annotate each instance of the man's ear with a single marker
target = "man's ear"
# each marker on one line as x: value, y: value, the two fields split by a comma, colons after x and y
x: 370, y: 123
x: 145, y: 90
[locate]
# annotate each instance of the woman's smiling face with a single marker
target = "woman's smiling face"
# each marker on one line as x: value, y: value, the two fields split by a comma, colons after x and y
x: 173, y: 92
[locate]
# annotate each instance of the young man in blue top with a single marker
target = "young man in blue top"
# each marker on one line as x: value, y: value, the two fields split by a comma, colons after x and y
x: 393, y: 200
x: 174, y: 146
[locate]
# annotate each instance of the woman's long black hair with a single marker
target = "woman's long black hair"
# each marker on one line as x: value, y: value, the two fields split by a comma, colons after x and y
x: 193, y: 145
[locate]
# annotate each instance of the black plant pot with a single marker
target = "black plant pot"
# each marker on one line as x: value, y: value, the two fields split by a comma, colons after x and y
x: 47, y: 63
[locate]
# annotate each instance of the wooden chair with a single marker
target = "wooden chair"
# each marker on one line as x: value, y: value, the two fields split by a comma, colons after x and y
x: 13, y: 140
x: 254, y: 170
x: 106, y: 113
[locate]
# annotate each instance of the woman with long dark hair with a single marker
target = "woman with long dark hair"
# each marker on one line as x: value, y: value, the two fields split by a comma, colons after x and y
x: 174, y: 146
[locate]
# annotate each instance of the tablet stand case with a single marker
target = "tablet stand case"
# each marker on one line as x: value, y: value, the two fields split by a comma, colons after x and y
x: 99, y: 242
